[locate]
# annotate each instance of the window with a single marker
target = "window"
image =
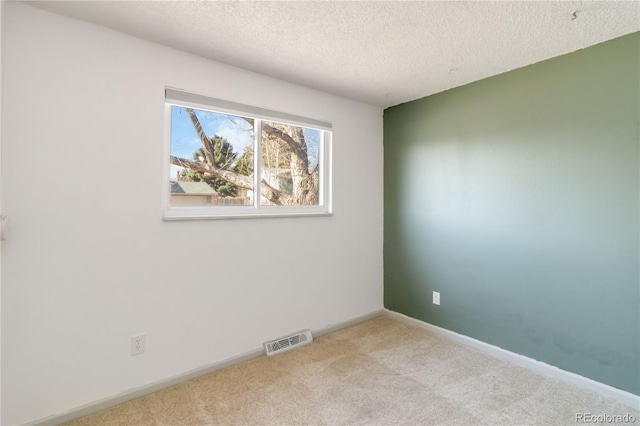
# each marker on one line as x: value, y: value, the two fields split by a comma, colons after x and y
x: 229, y: 160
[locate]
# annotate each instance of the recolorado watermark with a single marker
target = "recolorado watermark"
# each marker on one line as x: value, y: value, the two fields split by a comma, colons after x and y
x: 605, y: 418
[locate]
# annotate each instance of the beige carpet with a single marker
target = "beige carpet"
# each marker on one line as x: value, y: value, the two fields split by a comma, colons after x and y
x: 379, y: 372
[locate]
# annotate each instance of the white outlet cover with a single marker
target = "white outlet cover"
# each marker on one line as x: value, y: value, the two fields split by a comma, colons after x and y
x: 138, y: 344
x: 436, y: 298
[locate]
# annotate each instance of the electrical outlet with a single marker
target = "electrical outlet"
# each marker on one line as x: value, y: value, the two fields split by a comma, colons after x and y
x: 436, y: 298
x: 138, y: 344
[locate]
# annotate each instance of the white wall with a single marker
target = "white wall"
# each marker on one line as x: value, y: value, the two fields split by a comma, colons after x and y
x: 89, y: 261
x: 1, y: 60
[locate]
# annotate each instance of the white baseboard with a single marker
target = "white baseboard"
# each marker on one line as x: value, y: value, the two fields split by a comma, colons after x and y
x: 141, y: 391
x: 539, y: 367
x: 330, y: 328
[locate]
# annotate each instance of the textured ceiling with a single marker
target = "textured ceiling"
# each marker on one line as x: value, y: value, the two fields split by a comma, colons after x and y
x: 378, y: 52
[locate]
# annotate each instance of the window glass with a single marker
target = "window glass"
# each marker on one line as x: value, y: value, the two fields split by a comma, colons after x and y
x: 230, y: 140
x: 290, y: 164
x: 223, y: 163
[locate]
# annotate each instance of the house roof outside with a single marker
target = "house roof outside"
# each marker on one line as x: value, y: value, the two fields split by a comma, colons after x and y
x: 191, y: 188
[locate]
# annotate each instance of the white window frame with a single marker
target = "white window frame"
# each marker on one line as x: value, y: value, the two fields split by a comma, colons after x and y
x: 177, y: 97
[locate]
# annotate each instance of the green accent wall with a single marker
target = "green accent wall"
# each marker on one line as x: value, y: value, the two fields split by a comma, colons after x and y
x: 517, y: 198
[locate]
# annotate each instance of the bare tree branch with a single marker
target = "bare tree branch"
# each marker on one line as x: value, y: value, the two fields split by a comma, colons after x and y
x: 235, y: 178
x: 270, y: 193
x: 210, y: 156
x: 298, y: 147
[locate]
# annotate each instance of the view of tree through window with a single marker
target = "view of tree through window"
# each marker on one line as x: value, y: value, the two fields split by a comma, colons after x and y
x: 289, y: 162
x: 213, y: 161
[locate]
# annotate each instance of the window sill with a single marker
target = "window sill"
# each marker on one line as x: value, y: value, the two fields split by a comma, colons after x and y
x: 187, y: 213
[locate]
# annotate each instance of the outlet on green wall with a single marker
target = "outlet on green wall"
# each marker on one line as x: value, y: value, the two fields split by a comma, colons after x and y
x: 517, y: 198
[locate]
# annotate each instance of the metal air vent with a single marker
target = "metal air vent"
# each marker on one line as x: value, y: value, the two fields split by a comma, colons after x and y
x: 285, y: 343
